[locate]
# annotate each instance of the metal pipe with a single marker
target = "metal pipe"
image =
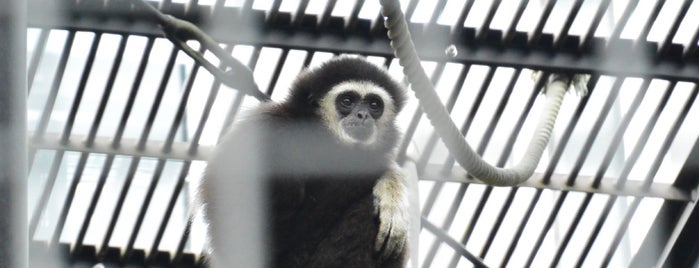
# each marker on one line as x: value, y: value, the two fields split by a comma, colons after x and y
x: 13, y: 139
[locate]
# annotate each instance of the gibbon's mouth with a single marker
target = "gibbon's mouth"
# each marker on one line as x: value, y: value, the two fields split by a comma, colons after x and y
x: 358, y: 131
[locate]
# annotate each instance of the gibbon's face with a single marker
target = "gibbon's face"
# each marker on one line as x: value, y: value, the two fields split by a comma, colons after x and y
x: 358, y: 112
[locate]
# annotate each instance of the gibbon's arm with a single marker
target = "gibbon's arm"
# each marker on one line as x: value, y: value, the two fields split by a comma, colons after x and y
x: 392, y: 207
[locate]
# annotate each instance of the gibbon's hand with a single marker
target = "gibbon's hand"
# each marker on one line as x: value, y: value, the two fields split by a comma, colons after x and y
x: 393, y: 211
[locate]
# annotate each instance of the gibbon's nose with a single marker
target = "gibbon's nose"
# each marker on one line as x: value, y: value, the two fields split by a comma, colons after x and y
x: 363, y: 114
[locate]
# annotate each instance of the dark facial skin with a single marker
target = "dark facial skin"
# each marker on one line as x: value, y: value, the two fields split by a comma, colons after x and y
x: 358, y: 115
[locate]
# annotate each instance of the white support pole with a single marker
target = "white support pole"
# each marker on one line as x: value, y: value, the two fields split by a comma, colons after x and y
x: 13, y: 141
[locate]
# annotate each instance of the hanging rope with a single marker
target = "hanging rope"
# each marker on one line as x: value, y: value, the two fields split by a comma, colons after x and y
x: 402, y: 44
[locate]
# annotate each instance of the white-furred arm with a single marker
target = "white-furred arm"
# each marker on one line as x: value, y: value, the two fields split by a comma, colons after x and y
x: 392, y: 206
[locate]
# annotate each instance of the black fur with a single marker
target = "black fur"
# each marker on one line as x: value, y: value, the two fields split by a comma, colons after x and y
x: 315, y: 83
x: 319, y: 190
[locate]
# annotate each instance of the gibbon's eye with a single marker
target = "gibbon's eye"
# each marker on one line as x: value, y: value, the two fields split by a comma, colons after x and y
x: 374, y: 106
x: 346, y: 101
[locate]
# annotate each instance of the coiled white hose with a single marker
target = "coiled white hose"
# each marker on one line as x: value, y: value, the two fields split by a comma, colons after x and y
x: 402, y: 44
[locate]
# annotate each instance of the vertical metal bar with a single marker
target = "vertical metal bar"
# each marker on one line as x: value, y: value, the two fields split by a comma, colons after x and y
x: 107, y: 92
x: 437, y: 11
x: 410, y: 9
x: 68, y: 128
x: 104, y: 174
x: 520, y: 229
x: 630, y: 161
x: 91, y: 137
x: 534, y: 37
x: 485, y: 140
x: 590, y: 33
x: 643, y: 36
x: 213, y: 92
x: 45, y: 193
x: 300, y: 13
x: 351, y: 21
x: 498, y: 222
x: 566, y: 135
x: 179, y: 115
x: 132, y: 95
x: 458, y: 27
x: 547, y: 226
x: 451, y: 101
x: 218, y: 6
x: 133, y: 166
x: 117, y: 141
x: 197, y: 136
x: 429, y: 147
x: 414, y: 122
x: 472, y: 112
x: 563, y: 34
x: 66, y: 133
x: 515, y: 20
x: 55, y: 85
x: 142, y: 142
x: 247, y: 5
x: 481, y: 31
x: 36, y: 57
x: 168, y: 211
x: 452, y: 243
x: 675, y: 26
x: 307, y: 60
x: 273, y: 11
x: 277, y: 71
x: 549, y: 171
x: 609, y: 155
x: 327, y: 13
x: 621, y: 24
x: 157, y: 174
x: 179, y: 252
x: 13, y: 140
x: 648, y: 181
x: 692, y: 46
x: 584, y: 152
x: 503, y: 159
x: 681, y: 248
x: 70, y: 194
x: 446, y: 224
x: 166, y: 148
x: 594, y: 131
x: 675, y: 223
x: 193, y: 4
x: 232, y: 112
x: 155, y: 106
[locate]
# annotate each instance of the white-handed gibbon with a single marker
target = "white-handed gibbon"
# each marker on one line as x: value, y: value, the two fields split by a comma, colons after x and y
x: 331, y: 194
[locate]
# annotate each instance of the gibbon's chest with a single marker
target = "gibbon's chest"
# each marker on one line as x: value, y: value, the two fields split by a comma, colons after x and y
x: 333, y: 194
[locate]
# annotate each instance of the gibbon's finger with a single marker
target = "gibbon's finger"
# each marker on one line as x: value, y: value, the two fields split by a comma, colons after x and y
x: 383, y: 235
x: 401, y: 239
x: 394, y: 244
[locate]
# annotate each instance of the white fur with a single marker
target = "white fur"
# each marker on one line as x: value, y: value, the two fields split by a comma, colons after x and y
x: 392, y: 205
x: 363, y: 88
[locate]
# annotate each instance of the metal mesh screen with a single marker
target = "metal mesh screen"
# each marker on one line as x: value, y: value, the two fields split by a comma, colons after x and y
x: 121, y: 122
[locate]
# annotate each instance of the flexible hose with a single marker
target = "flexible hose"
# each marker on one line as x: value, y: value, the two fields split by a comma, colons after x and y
x: 402, y: 44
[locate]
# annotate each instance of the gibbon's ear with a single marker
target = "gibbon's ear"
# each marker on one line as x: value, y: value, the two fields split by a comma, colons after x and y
x: 313, y: 101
